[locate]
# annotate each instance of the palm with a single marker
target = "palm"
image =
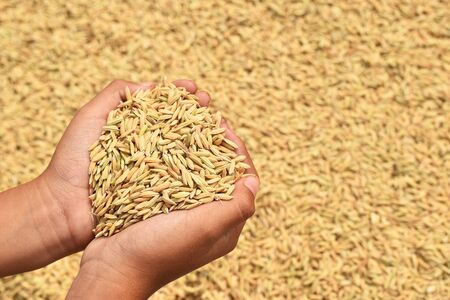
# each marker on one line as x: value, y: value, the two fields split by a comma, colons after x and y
x: 176, y: 244
x: 71, y: 160
x: 68, y: 171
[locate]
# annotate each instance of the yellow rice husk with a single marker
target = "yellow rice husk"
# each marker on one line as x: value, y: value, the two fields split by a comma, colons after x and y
x: 344, y: 105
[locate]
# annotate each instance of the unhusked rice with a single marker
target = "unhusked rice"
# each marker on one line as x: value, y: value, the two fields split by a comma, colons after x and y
x: 344, y: 106
x: 159, y: 151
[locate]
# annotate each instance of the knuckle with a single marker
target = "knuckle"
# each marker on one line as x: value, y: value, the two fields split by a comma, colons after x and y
x: 247, y: 208
x: 117, y: 82
x: 231, y: 245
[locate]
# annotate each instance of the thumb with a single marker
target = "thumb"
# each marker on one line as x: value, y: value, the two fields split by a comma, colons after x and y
x: 109, y: 98
x: 252, y: 184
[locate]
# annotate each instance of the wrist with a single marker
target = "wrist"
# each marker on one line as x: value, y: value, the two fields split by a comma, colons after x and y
x: 34, y: 224
x: 98, y: 279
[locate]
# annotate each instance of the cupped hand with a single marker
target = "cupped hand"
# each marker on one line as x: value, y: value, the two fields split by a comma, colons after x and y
x: 66, y: 177
x: 139, y: 260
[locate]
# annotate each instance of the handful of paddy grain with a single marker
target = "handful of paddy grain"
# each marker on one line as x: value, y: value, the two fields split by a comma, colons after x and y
x: 159, y: 151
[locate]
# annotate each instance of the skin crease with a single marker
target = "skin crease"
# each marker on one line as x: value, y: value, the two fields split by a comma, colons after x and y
x: 131, y: 264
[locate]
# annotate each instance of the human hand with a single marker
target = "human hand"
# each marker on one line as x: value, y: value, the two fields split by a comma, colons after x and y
x: 139, y: 260
x: 50, y: 217
x: 66, y: 177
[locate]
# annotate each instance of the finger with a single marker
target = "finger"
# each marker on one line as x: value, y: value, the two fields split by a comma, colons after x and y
x: 223, y: 215
x: 223, y: 245
x: 227, y: 213
x: 170, y: 258
x: 244, y: 194
x: 111, y: 95
x: 242, y: 149
x: 188, y: 84
x: 203, y: 98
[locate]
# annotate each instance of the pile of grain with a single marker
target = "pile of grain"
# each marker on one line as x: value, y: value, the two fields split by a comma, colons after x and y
x: 159, y: 151
x: 344, y: 106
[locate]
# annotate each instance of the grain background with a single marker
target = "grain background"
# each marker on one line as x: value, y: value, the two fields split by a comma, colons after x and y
x: 345, y: 106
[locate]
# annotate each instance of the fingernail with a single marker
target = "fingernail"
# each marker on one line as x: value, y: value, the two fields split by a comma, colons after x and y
x: 252, y: 183
x: 206, y: 93
x: 147, y: 83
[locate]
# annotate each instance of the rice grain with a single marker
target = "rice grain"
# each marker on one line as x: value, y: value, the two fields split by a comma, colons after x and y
x: 156, y: 150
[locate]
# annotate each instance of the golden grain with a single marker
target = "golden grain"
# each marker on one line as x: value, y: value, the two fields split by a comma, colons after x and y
x: 353, y: 92
x: 177, y: 148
